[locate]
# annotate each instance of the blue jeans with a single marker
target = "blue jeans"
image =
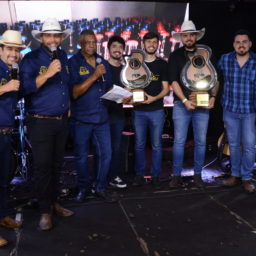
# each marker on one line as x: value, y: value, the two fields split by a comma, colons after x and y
x: 154, y: 121
x: 100, y: 134
x: 241, y: 138
x: 116, y: 129
x: 5, y: 153
x: 181, y: 118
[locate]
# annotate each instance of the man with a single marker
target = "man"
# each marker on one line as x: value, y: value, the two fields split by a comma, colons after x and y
x: 184, y: 110
x: 10, y: 46
x: 90, y: 79
x: 116, y: 46
x: 150, y: 114
x: 239, y: 106
x: 44, y: 81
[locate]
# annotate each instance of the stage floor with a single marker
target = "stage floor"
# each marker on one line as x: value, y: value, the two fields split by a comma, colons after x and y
x: 183, y: 222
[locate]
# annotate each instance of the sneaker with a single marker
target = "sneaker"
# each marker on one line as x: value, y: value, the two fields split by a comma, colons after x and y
x: 138, y: 180
x: 175, y: 182
x: 198, y: 181
x: 117, y: 182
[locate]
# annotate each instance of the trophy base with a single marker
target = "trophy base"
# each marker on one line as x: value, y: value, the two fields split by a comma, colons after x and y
x: 201, y: 99
x: 138, y: 95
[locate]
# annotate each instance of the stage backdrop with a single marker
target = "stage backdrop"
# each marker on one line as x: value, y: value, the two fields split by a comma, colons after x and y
x: 130, y: 20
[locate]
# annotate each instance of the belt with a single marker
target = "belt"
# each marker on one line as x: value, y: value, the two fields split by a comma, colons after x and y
x: 5, y: 130
x: 46, y: 117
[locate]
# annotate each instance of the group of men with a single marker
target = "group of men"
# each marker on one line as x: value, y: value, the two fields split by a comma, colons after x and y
x: 57, y: 89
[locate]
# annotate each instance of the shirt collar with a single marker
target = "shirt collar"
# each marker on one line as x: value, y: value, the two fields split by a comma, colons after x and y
x: 3, y: 65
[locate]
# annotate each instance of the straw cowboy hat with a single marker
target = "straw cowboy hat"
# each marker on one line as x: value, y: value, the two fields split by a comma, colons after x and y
x: 50, y: 26
x: 188, y: 27
x: 12, y: 38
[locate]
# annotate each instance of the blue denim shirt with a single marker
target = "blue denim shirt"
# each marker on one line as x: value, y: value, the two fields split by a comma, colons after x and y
x: 89, y: 107
x: 239, y: 94
x: 53, y: 97
x: 8, y: 100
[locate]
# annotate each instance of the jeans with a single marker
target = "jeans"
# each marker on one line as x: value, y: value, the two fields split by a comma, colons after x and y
x: 154, y: 121
x: 100, y: 135
x: 241, y: 138
x: 181, y: 118
x: 5, y: 153
x: 116, y: 129
x: 48, y: 140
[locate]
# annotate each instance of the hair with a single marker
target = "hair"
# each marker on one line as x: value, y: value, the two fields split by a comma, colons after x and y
x: 150, y: 35
x: 242, y: 32
x: 85, y: 32
x: 118, y: 39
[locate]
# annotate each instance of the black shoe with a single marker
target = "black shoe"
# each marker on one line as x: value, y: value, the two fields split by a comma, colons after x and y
x: 109, y: 198
x: 81, y: 196
x: 138, y: 180
x: 117, y: 182
x: 175, y: 182
x: 155, y: 182
x: 198, y: 181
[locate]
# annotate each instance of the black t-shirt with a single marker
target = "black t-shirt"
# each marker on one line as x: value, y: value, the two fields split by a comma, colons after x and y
x: 115, y: 110
x: 159, y: 69
x: 177, y: 60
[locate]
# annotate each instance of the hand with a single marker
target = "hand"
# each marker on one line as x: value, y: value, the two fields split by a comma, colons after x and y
x: 190, y: 105
x: 12, y: 85
x: 211, y: 103
x: 99, y: 71
x: 127, y: 100
x: 54, y: 68
x: 149, y: 99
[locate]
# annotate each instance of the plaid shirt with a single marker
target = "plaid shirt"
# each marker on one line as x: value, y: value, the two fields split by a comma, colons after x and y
x: 239, y: 94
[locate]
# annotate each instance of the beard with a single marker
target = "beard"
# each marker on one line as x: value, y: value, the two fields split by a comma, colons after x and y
x: 190, y: 46
x: 118, y: 57
x: 241, y: 53
x: 150, y: 52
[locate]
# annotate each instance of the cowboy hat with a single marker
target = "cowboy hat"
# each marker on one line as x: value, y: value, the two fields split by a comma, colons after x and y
x: 50, y: 26
x: 12, y: 38
x: 188, y: 27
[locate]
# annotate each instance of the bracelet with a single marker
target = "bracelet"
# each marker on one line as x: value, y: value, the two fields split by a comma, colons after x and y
x: 184, y: 100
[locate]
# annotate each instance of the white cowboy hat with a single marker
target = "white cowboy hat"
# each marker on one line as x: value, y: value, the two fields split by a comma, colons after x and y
x: 12, y: 38
x: 188, y: 27
x: 50, y: 26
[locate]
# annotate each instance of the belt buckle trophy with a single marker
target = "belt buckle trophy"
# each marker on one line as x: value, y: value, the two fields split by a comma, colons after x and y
x: 135, y: 74
x: 199, y: 75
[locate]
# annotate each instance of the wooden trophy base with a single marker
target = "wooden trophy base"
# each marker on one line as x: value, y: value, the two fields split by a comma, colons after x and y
x: 201, y: 99
x: 138, y: 95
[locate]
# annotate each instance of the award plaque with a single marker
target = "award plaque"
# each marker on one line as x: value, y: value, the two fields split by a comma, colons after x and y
x: 135, y: 74
x: 199, y: 75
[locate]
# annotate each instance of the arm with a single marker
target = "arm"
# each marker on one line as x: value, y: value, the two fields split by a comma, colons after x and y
x: 12, y: 85
x: 164, y: 92
x: 177, y: 90
x: 54, y: 68
x: 79, y: 89
x: 213, y: 94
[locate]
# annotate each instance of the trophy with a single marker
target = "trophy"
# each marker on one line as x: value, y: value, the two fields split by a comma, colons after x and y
x: 199, y: 75
x: 135, y: 74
